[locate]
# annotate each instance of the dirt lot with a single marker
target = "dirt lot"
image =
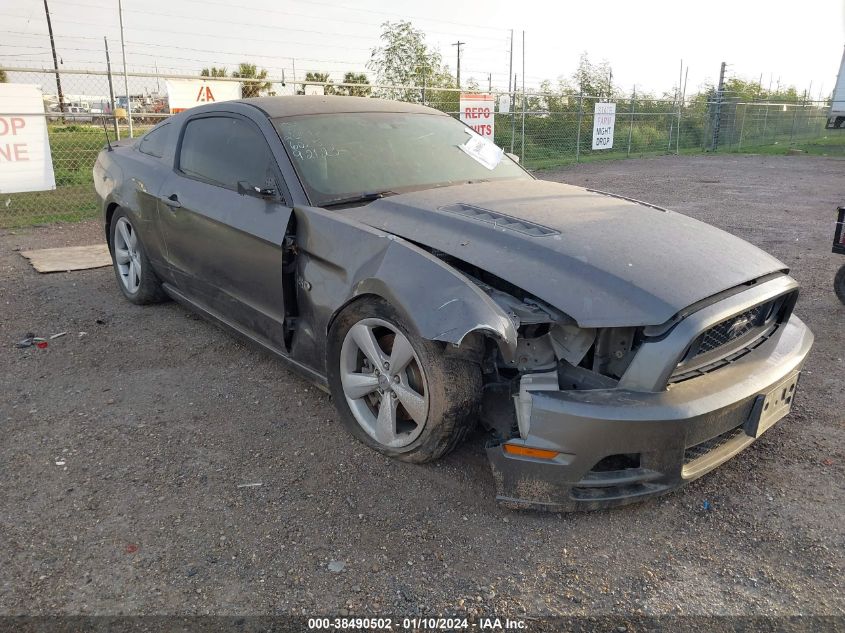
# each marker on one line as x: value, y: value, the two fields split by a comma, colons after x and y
x: 123, y: 450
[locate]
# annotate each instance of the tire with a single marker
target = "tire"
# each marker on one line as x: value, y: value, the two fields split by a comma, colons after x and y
x: 839, y: 284
x: 145, y: 287
x: 449, y: 385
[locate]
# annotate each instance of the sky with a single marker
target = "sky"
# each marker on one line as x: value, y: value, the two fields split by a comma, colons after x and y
x: 798, y: 44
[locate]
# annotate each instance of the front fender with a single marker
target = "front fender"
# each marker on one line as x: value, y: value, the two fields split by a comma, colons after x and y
x: 339, y: 260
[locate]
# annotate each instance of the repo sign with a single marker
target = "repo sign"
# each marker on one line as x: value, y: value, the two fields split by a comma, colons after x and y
x: 25, y: 160
x: 477, y: 111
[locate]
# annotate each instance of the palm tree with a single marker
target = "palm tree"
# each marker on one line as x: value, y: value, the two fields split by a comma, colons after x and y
x: 354, y: 91
x: 256, y: 86
x: 319, y: 78
x: 214, y: 72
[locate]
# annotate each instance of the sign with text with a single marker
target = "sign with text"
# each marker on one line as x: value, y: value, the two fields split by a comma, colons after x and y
x: 477, y: 111
x: 25, y: 160
x: 603, y: 121
x: 188, y: 93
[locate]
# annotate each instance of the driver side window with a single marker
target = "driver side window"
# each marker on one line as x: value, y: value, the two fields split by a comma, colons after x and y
x: 223, y: 150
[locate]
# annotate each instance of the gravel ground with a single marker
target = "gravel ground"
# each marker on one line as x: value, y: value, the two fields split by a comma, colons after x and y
x: 123, y: 451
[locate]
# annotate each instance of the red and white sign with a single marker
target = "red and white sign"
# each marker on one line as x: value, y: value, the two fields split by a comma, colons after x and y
x: 604, y: 119
x: 25, y: 160
x: 477, y: 111
x: 188, y: 93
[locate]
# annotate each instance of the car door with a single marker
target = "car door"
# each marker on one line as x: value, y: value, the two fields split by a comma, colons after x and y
x: 224, y: 247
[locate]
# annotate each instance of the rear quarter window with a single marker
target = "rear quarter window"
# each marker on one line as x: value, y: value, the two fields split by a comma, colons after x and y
x: 156, y: 141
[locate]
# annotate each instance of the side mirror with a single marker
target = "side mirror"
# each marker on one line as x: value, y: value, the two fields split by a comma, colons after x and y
x: 246, y: 189
x: 513, y: 157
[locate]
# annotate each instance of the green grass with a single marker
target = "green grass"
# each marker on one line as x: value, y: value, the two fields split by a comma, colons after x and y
x: 832, y: 144
x: 74, y: 149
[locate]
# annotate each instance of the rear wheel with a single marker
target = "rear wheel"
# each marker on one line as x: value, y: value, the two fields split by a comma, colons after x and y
x: 401, y: 394
x: 135, y: 276
x: 839, y: 284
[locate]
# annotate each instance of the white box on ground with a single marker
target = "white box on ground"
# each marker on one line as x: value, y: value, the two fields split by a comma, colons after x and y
x: 25, y: 160
x: 604, y: 119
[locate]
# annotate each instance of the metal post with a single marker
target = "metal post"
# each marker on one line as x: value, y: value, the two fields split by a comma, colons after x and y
x: 742, y: 126
x: 671, y: 129
x: 718, y: 109
x: 510, y: 88
x: 513, y: 112
x: 766, y: 115
x: 631, y: 127
x: 125, y: 76
x: 111, y: 91
x: 680, y: 111
x: 578, y: 134
x: 522, y: 136
x: 807, y: 97
x: 792, y: 131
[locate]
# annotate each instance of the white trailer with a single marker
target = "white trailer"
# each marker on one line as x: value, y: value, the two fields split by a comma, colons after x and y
x: 836, y: 116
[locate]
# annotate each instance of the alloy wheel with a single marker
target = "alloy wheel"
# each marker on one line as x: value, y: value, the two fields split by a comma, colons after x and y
x: 126, y: 255
x: 383, y: 382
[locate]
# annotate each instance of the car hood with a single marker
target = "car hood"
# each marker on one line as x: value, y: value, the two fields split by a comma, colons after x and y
x: 603, y: 260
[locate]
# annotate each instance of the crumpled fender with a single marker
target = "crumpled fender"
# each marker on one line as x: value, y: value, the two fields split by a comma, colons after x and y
x: 340, y: 260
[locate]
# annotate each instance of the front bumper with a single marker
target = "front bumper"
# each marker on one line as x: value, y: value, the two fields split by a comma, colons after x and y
x: 679, y: 434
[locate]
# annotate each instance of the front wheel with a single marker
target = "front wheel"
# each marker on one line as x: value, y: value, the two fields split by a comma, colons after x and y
x: 405, y: 396
x: 839, y: 284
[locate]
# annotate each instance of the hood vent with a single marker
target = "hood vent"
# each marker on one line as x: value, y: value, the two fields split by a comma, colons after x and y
x: 499, y: 219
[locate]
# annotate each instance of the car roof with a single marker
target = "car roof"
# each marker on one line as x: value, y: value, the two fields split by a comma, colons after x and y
x: 317, y: 104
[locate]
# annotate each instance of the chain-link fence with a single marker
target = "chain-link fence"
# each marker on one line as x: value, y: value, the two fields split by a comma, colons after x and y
x: 545, y: 130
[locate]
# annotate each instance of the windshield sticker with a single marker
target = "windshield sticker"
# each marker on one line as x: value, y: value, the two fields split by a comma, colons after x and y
x: 482, y: 150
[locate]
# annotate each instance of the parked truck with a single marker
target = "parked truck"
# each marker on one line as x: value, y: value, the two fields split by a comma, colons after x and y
x: 836, y: 116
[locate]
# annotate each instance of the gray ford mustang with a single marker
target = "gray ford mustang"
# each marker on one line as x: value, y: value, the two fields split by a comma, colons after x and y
x: 611, y: 349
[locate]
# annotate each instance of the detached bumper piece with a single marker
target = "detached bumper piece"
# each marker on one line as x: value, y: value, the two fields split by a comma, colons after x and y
x: 610, y: 447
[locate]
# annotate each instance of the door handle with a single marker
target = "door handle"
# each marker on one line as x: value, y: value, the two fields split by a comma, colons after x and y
x: 172, y: 201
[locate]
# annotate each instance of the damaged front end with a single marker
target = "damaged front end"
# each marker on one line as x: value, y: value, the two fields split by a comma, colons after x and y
x: 553, y: 354
x: 587, y: 418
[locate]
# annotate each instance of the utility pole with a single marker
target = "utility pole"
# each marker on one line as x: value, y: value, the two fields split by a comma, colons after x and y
x: 55, y: 60
x: 489, y: 82
x: 111, y: 90
x: 125, y: 76
x: 458, y: 44
x: 718, y: 108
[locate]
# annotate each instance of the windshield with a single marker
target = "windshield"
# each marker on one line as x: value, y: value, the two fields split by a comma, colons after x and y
x: 339, y: 156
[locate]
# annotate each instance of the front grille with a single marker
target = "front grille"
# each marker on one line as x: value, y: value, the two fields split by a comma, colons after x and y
x: 700, y: 450
x: 733, y: 328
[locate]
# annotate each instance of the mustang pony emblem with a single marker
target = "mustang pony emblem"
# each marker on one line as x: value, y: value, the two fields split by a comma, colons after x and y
x: 739, y: 327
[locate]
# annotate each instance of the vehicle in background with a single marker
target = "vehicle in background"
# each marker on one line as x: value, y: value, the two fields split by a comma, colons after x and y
x: 71, y: 114
x: 836, y: 116
x: 839, y: 247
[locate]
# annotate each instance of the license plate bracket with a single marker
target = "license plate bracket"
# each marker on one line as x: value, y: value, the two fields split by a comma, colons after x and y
x: 772, y: 406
